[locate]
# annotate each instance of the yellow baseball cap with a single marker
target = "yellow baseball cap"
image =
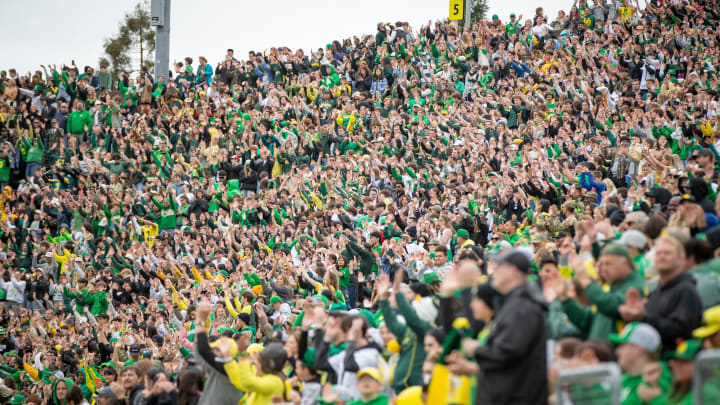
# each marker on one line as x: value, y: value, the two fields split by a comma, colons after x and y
x: 370, y: 372
x: 233, y: 346
x: 711, y: 318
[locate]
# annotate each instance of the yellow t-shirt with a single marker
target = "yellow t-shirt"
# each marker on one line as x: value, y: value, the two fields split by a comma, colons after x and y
x: 150, y: 232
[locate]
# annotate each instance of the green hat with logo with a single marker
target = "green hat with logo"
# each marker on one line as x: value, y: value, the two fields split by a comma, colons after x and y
x: 639, y: 334
x: 686, y: 350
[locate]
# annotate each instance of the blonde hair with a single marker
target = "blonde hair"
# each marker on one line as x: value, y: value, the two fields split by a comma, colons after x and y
x: 679, y: 248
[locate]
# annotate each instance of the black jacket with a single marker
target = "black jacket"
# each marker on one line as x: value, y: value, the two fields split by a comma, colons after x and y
x: 248, y: 182
x: 675, y: 310
x: 512, y: 363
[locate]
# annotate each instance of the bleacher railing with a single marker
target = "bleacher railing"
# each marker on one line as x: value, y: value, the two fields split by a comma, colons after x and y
x: 599, y: 384
x: 706, y: 382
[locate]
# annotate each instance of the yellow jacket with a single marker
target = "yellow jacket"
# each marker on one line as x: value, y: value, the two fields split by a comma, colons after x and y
x: 63, y: 259
x: 260, y: 390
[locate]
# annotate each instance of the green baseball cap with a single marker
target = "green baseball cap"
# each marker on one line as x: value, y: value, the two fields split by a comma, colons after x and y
x: 462, y: 233
x: 639, y: 334
x: 430, y: 278
x: 369, y: 316
x: 274, y: 300
x: 686, y: 350
x: 17, y: 399
x: 495, y: 17
x: 618, y: 250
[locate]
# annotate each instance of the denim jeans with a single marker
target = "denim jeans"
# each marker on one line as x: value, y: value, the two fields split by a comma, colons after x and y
x: 30, y: 168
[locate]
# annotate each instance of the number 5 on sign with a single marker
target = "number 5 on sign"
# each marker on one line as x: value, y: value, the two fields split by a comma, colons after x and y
x: 456, y: 10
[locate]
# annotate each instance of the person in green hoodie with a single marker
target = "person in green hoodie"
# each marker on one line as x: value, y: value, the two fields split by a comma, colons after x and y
x: 79, y: 121
x: 643, y: 374
x: 410, y: 335
x: 615, y: 267
x: 168, y: 212
x: 57, y: 392
x: 33, y: 156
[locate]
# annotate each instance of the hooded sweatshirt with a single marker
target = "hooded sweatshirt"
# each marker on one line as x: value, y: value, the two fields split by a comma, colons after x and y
x: 68, y: 386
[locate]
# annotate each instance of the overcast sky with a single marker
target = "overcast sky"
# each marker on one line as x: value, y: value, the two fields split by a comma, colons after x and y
x: 39, y: 32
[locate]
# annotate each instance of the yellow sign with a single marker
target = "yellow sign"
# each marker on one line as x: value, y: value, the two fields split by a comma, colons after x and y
x: 456, y: 10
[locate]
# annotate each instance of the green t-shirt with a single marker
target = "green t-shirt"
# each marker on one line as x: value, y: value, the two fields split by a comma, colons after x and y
x: 631, y: 383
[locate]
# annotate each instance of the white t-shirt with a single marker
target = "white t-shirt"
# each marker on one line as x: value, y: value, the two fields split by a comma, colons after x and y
x: 540, y: 30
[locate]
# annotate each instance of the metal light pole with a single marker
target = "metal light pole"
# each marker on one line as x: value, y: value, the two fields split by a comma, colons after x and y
x: 468, y: 10
x: 160, y: 18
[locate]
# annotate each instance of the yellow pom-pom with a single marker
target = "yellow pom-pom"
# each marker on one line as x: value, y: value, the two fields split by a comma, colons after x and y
x: 393, y: 347
x: 461, y: 323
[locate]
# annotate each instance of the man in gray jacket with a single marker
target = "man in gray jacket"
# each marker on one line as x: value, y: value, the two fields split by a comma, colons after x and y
x: 218, y: 388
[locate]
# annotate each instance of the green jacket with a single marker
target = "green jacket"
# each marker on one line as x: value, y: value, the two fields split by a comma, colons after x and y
x: 4, y: 169
x: 97, y: 302
x: 367, y: 260
x: 77, y: 121
x: 602, y: 319
x: 34, y: 150
x: 411, y: 336
x: 558, y: 324
x: 167, y: 215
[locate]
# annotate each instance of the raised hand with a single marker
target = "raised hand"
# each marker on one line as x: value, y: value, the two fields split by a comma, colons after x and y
x: 382, y: 286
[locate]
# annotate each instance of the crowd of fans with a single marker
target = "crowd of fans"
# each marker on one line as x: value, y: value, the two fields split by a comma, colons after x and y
x: 419, y: 216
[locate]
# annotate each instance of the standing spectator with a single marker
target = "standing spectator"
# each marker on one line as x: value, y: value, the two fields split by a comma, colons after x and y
x: 513, y: 360
x: 79, y: 121
x: 674, y: 308
x: 104, y: 78
x: 15, y: 290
